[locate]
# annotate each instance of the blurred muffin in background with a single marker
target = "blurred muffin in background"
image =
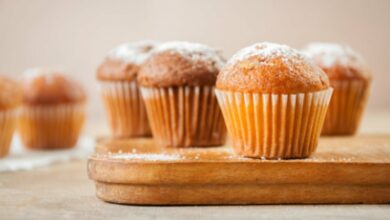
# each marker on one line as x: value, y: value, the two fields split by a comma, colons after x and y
x: 53, y: 111
x: 274, y: 101
x: 122, y: 99
x: 350, y: 78
x: 177, y: 84
x: 10, y: 99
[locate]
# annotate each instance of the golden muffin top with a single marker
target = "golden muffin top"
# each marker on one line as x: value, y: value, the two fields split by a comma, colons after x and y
x: 123, y: 62
x: 271, y: 68
x: 181, y: 64
x: 42, y: 86
x: 339, y: 62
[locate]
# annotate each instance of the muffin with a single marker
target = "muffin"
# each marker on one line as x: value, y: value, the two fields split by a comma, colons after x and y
x: 53, y: 110
x: 274, y: 102
x: 122, y: 99
x: 10, y: 99
x: 350, y: 78
x: 177, y: 84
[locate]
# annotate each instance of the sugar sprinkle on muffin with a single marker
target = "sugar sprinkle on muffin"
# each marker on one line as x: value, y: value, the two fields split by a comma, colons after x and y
x: 135, y: 52
x: 271, y: 68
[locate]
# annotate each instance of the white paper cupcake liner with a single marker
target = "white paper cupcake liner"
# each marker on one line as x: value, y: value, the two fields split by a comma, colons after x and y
x: 185, y: 116
x: 346, y: 107
x: 125, y: 109
x: 8, y: 121
x: 274, y: 126
x: 51, y: 127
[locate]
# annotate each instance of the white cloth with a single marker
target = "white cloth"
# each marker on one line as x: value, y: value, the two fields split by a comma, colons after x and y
x: 21, y: 158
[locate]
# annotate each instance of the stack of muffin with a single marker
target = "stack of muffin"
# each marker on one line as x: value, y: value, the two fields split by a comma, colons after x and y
x: 270, y: 98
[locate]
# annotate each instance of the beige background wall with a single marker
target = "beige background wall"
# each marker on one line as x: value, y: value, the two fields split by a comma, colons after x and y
x: 75, y: 35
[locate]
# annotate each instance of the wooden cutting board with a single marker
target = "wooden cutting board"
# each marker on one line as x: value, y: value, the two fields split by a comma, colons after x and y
x: 343, y: 170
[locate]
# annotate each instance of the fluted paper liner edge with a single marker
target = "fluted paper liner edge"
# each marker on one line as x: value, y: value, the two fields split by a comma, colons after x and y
x: 8, y: 121
x: 185, y: 116
x: 51, y: 127
x: 125, y: 109
x: 346, y: 107
x: 274, y: 126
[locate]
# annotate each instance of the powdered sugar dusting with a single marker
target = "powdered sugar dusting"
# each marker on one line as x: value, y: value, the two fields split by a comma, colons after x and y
x: 329, y: 54
x: 34, y: 72
x: 47, y: 73
x: 195, y: 52
x: 268, y: 51
x: 136, y: 52
x: 146, y: 157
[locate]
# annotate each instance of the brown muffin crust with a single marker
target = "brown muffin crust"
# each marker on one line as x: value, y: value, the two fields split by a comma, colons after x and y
x: 10, y: 93
x: 339, y: 62
x: 271, y: 68
x: 48, y: 87
x: 180, y: 64
x: 117, y: 70
x: 123, y: 62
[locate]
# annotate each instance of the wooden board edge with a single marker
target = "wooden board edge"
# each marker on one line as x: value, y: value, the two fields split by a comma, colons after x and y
x: 242, y: 194
x: 238, y: 173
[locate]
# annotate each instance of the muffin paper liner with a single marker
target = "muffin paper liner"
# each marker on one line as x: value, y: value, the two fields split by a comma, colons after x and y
x: 346, y: 107
x: 125, y: 109
x: 8, y: 121
x: 274, y: 126
x: 185, y: 116
x: 51, y: 127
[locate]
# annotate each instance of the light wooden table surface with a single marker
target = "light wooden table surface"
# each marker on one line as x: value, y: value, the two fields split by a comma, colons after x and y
x: 63, y: 191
